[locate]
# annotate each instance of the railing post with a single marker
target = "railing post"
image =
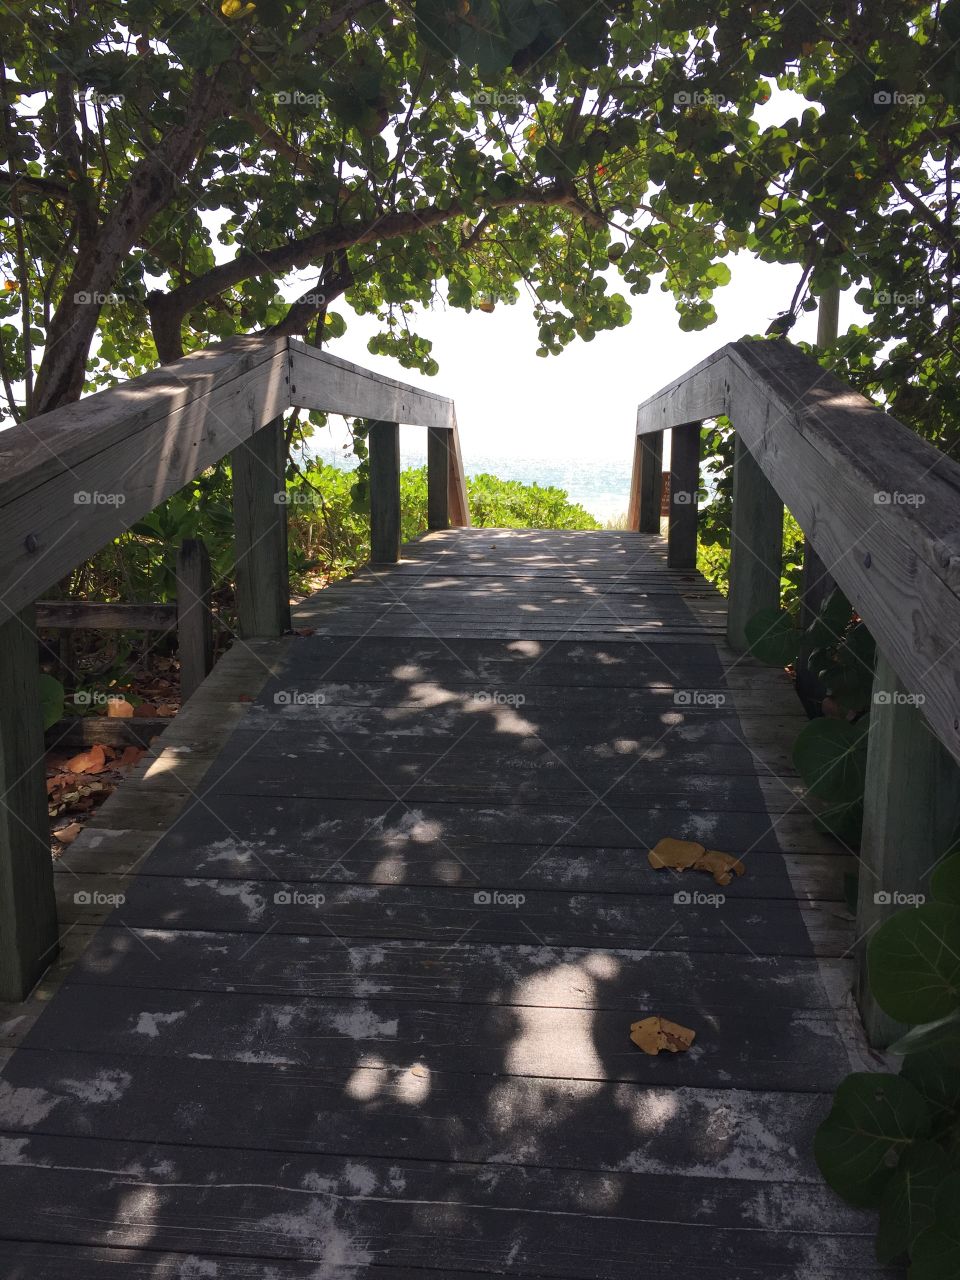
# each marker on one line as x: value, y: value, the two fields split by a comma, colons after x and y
x: 438, y: 478
x: 911, y: 811
x: 384, y: 441
x: 643, y: 510
x: 684, y: 483
x: 260, y: 524
x: 28, y: 914
x: 194, y: 619
x: 756, y: 545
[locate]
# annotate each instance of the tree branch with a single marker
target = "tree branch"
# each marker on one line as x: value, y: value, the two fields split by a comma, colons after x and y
x: 167, y: 310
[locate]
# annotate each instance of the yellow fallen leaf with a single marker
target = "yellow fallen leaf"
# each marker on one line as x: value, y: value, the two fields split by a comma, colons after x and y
x: 722, y: 866
x: 678, y: 854
x: 67, y: 835
x: 654, y: 1034
x: 681, y: 855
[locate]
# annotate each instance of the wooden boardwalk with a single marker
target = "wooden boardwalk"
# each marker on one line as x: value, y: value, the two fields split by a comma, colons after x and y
x: 387, y: 917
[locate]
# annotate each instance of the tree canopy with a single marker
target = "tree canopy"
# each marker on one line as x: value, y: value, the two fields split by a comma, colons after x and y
x: 392, y: 149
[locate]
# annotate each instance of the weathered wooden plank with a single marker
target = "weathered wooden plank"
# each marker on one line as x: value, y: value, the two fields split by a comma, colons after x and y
x: 756, y: 542
x: 260, y: 523
x: 29, y: 1260
x: 911, y: 819
x: 194, y: 619
x: 384, y: 441
x: 111, y: 458
x: 28, y: 923
x: 618, y: 978
x: 303, y: 1106
x: 98, y: 616
x: 438, y: 478
x: 320, y: 381
x: 459, y: 825
x: 84, y: 731
x: 877, y: 502
x: 790, y: 1050
x: 450, y: 912
x: 406, y: 1213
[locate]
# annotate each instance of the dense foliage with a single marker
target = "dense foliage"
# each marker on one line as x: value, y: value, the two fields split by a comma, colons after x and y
x: 893, y: 1141
x: 167, y: 182
x: 329, y: 530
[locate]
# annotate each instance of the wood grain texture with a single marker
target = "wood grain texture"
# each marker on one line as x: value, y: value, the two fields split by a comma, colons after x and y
x: 260, y: 524
x: 756, y: 542
x: 878, y: 503
x: 684, y: 487
x: 28, y: 922
x: 194, y: 619
x: 384, y: 442
x: 352, y: 958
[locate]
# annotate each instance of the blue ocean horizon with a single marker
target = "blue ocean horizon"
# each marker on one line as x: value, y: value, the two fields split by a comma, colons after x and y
x: 599, y: 486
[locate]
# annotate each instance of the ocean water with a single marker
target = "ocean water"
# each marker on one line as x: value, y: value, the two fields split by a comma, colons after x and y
x: 600, y: 487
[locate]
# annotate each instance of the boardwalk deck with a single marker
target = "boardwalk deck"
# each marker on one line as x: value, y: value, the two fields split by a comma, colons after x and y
x: 387, y: 918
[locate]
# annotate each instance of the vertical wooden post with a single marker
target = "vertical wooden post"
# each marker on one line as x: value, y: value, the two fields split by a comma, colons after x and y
x: 684, y: 482
x: 756, y: 542
x: 643, y: 511
x: 815, y: 582
x: 260, y: 524
x: 28, y: 914
x: 384, y: 442
x: 911, y: 811
x: 438, y: 478
x: 194, y: 619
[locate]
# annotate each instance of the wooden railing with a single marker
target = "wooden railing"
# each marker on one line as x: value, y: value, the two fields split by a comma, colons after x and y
x: 881, y: 508
x: 73, y: 479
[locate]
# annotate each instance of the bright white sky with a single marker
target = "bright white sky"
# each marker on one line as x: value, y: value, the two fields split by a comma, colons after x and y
x: 581, y: 404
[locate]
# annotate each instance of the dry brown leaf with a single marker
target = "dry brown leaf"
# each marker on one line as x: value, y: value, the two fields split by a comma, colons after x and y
x: 681, y: 855
x: 145, y: 711
x: 722, y: 866
x: 119, y: 709
x: 92, y: 761
x: 655, y: 1034
x: 678, y: 854
x: 67, y: 835
x: 131, y: 756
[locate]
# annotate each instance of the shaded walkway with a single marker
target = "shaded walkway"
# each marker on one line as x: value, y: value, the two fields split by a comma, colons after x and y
x: 387, y: 918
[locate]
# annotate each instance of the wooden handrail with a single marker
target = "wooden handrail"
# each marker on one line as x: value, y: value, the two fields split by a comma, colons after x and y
x: 881, y: 508
x: 880, y: 505
x: 74, y: 478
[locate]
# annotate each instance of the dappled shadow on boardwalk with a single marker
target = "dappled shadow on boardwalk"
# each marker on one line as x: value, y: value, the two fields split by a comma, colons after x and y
x: 366, y: 1006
